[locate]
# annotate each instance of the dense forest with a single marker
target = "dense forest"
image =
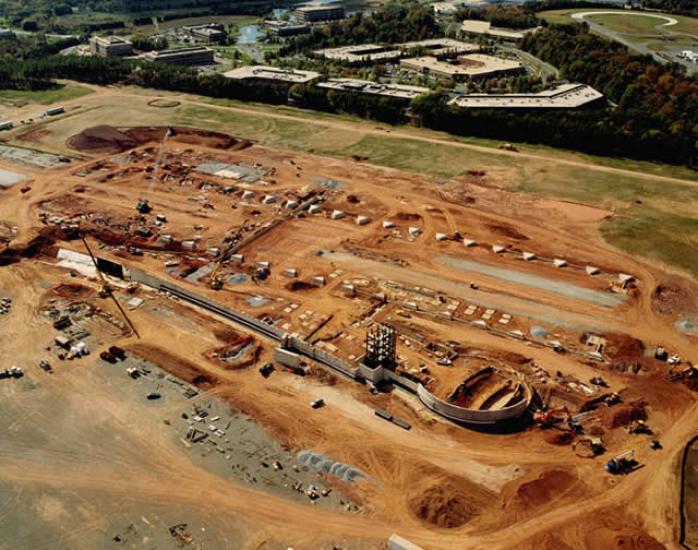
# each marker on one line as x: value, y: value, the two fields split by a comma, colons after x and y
x: 393, y: 24
x: 513, y: 17
x: 655, y: 103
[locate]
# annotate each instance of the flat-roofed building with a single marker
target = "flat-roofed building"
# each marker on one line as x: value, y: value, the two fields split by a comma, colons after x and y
x: 320, y: 12
x: 441, y: 47
x: 210, y: 33
x: 183, y: 56
x: 564, y: 96
x: 352, y: 85
x: 110, y: 46
x: 465, y: 67
x: 273, y: 74
x: 445, y: 8
x: 284, y: 28
x: 377, y: 53
x: 364, y: 53
x: 472, y: 27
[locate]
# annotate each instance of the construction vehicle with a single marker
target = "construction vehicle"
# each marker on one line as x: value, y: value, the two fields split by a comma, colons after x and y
x: 546, y: 419
x: 108, y: 357
x: 266, y: 370
x: 215, y: 281
x: 143, y: 206
x: 621, y: 464
x: 588, y: 447
x: 106, y: 291
x: 638, y: 427
x: 117, y: 352
x: 45, y: 365
x: 508, y: 147
x: 612, y: 399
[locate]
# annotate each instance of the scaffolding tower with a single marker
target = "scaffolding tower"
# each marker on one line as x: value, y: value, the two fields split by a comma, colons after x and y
x: 380, y: 346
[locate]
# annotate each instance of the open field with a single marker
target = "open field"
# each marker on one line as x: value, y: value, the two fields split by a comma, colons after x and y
x: 657, y: 34
x: 626, y: 22
x: 62, y: 92
x: 491, y: 266
x: 625, y: 187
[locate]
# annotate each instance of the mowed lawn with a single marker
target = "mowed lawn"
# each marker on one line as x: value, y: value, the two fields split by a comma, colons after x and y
x: 61, y: 92
x: 626, y: 22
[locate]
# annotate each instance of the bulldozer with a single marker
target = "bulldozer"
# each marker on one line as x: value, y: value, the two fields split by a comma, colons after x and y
x: 638, y: 427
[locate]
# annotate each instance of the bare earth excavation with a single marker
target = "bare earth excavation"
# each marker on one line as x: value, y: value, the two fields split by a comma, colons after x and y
x: 210, y: 343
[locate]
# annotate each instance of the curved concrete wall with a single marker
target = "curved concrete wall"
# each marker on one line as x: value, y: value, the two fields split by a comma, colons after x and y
x: 473, y: 416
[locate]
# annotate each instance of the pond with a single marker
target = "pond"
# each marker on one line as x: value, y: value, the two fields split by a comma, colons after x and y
x: 249, y: 34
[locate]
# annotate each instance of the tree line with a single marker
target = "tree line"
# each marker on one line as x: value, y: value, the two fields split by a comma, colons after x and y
x: 397, y: 22
x: 656, y: 105
x: 653, y: 115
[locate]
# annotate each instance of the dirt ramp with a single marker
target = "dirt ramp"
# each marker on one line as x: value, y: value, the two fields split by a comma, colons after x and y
x: 524, y: 497
x: 109, y: 140
x: 102, y: 140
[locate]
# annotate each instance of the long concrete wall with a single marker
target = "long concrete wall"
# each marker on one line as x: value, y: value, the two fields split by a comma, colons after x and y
x: 296, y: 344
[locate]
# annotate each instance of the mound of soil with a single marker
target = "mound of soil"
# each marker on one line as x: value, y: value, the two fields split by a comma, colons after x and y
x: 108, y: 140
x: 408, y: 216
x: 508, y: 231
x: 624, y: 414
x: 443, y: 505
x: 175, y: 365
x: 294, y: 286
x: 627, y: 539
x: 541, y: 490
x: 621, y: 347
x: 102, y: 139
x: 43, y: 244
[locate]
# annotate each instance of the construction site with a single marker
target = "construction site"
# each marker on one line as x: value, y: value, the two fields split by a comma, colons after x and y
x: 264, y: 348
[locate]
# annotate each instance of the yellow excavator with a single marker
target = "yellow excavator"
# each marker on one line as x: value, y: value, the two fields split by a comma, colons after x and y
x: 215, y: 281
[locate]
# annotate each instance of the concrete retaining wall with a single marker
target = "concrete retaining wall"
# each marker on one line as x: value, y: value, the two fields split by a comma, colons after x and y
x: 472, y: 416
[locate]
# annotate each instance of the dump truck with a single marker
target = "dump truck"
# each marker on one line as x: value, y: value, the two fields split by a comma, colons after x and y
x: 622, y: 463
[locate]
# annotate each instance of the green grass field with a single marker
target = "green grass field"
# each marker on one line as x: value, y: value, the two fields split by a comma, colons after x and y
x: 626, y: 22
x: 64, y: 92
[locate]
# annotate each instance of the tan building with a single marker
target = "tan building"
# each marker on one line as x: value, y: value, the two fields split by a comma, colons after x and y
x: 464, y: 67
x: 110, y: 46
x: 272, y: 74
x: 475, y: 28
x: 565, y: 96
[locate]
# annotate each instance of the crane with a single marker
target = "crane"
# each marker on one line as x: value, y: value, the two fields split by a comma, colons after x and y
x: 143, y: 205
x: 215, y: 281
x: 106, y: 291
